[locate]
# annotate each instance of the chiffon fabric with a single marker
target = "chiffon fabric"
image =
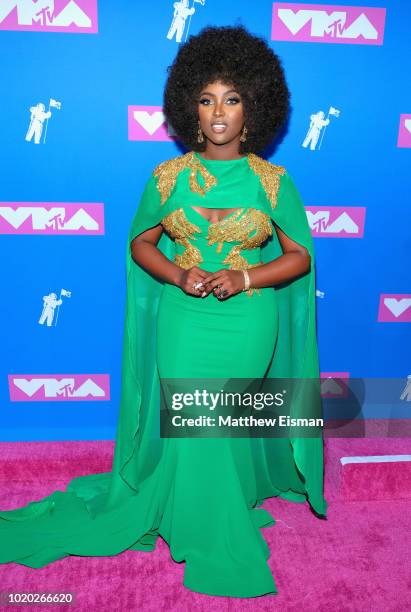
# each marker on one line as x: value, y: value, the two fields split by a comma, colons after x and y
x: 203, y: 496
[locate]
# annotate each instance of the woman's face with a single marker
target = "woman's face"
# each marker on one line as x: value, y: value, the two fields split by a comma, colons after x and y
x: 221, y: 113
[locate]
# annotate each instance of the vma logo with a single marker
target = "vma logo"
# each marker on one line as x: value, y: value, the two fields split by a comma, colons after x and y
x: 148, y: 123
x: 404, y: 133
x: 395, y: 308
x: 328, y: 23
x: 76, y: 17
x: 51, y: 218
x: 336, y: 221
x: 60, y: 387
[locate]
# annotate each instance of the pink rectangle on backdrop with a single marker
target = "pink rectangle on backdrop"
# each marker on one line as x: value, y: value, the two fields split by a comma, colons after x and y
x: 59, y: 387
x: 404, y: 132
x: 336, y: 221
x: 82, y: 218
x: 69, y: 16
x: 395, y: 308
x: 147, y: 123
x: 314, y: 23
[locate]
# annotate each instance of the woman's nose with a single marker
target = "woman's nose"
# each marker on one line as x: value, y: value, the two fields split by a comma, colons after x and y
x: 218, y: 109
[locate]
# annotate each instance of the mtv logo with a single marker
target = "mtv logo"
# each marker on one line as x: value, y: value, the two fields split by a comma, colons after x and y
x: 72, y: 16
x: 336, y: 221
x: 147, y: 123
x: 60, y: 387
x: 404, y: 132
x: 51, y: 218
x: 394, y: 308
x: 328, y: 23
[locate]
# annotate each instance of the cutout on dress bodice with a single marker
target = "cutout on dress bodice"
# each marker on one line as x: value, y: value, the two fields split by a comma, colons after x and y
x: 214, y: 219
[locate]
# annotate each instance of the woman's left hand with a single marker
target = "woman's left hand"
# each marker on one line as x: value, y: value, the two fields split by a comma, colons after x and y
x: 224, y: 283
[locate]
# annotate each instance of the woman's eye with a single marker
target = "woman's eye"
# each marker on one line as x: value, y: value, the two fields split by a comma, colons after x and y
x: 205, y: 101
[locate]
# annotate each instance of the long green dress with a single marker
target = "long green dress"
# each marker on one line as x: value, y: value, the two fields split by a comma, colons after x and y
x: 202, y: 495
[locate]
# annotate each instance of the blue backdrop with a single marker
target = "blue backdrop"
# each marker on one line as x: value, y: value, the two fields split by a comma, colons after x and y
x: 91, y: 155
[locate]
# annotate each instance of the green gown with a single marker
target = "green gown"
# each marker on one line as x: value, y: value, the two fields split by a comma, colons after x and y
x: 201, y: 495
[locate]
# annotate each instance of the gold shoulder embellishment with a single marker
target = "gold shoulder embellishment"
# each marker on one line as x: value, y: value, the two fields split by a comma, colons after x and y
x: 269, y: 175
x: 168, y: 170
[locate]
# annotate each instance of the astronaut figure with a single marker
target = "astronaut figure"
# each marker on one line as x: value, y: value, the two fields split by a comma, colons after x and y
x: 50, y: 303
x: 317, y: 123
x: 38, y: 116
x: 406, y: 394
x: 181, y: 12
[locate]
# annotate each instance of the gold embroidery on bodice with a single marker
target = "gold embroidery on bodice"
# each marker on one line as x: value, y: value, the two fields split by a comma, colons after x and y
x: 180, y: 228
x: 236, y: 227
x: 250, y: 229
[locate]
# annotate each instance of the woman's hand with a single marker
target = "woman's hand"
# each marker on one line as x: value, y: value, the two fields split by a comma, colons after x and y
x: 224, y: 283
x: 191, y: 281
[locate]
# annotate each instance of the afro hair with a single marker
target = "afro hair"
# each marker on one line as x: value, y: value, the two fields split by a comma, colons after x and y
x: 234, y: 56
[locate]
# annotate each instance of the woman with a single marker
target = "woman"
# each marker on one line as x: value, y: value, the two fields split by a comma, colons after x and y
x: 220, y: 285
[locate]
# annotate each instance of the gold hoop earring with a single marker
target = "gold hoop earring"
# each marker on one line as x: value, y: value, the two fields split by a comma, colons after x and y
x: 243, y: 136
x: 200, y: 137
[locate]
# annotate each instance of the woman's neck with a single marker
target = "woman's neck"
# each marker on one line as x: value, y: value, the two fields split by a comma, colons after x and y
x: 221, y: 153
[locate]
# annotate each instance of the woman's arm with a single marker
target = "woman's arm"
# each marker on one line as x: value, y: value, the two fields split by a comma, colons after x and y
x: 145, y: 253
x: 294, y: 261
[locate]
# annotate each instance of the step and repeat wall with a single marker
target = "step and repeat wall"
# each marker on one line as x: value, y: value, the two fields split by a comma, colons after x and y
x: 81, y: 94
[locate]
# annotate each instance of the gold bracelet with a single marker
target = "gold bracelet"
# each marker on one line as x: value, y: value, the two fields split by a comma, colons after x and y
x: 246, y: 280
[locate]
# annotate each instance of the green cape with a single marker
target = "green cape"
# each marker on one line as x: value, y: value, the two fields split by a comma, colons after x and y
x: 138, y: 445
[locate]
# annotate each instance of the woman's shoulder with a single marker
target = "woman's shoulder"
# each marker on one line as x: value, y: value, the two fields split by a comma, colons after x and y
x: 174, y: 165
x: 270, y: 175
x: 165, y: 173
x: 263, y: 166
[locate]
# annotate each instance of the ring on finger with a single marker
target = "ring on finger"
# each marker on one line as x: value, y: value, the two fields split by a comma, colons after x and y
x: 222, y: 292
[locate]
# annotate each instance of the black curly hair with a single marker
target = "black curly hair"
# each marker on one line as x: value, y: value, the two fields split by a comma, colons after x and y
x: 240, y: 59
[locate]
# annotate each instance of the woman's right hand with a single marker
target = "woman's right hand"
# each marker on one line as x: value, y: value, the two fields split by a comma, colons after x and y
x: 190, y: 277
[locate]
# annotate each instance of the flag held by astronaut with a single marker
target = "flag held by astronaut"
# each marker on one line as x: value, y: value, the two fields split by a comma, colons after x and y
x: 334, y: 111
x: 55, y: 103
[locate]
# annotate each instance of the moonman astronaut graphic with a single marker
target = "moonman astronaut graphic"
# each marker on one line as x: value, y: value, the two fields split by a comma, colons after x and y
x: 181, y: 12
x: 38, y: 116
x: 406, y: 394
x: 49, y: 306
x: 317, y: 123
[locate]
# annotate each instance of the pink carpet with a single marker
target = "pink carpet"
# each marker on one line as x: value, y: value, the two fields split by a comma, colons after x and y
x: 357, y: 559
